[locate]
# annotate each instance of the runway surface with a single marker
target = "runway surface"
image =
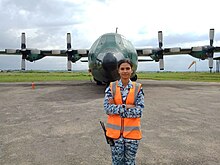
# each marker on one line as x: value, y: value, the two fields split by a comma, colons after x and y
x: 58, y: 123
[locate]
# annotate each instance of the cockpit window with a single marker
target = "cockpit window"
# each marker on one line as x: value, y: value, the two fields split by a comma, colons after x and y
x: 107, y: 40
x: 110, y: 39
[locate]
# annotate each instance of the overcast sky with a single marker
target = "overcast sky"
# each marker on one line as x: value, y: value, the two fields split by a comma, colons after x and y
x: 184, y: 23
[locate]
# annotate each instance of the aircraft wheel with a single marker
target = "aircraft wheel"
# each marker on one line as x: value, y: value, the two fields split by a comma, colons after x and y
x: 134, y: 78
x: 98, y: 82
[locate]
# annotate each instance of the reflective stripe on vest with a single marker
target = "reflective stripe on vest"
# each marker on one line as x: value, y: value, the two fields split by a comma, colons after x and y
x: 127, y: 127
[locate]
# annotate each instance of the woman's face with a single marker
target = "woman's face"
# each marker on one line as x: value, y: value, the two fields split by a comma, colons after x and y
x: 125, y: 71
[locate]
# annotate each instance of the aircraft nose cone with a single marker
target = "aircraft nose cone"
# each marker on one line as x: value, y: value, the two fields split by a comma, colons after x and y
x: 109, y: 62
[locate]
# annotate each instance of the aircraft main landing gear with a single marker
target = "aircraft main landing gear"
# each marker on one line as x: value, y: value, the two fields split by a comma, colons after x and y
x: 98, y: 82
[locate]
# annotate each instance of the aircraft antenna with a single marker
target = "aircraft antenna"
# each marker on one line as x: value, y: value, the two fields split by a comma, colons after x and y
x: 116, y: 31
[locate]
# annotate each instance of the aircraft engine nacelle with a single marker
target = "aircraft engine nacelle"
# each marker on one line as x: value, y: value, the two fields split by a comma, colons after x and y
x: 204, y: 52
x: 74, y: 57
x: 201, y: 52
x: 157, y: 56
x: 34, y: 57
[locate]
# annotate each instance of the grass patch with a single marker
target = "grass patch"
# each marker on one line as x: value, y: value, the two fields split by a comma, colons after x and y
x: 30, y: 76
x: 35, y: 76
x: 181, y: 76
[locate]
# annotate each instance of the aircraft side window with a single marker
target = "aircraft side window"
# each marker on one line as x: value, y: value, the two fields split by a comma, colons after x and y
x: 94, y: 46
x: 102, y: 40
x: 126, y: 43
x: 118, y: 40
x: 130, y: 55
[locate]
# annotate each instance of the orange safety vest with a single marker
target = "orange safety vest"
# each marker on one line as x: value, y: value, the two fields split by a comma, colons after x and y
x: 129, y: 128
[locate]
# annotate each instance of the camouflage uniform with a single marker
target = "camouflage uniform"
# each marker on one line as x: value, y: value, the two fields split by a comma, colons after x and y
x: 125, y: 150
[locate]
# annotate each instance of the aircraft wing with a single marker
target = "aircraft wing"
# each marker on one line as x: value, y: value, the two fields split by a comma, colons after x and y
x: 200, y: 52
x: 34, y: 51
x: 81, y: 52
x: 31, y: 55
x: 10, y: 51
x: 166, y: 51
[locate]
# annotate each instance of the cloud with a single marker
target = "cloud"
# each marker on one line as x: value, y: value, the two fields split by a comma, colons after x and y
x: 46, y: 22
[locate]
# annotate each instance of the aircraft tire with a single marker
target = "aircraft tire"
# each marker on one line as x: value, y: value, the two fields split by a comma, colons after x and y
x: 98, y: 82
x: 134, y: 78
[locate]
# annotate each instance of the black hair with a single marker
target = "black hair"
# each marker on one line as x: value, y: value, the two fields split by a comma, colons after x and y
x: 124, y: 61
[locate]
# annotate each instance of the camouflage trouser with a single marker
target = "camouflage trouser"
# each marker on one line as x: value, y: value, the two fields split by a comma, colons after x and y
x: 124, y: 151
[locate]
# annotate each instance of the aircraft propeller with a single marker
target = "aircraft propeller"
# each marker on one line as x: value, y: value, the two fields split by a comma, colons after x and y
x: 156, y: 53
x: 210, y: 51
x: 24, y: 51
x: 73, y: 55
x: 69, y: 52
x: 160, y: 51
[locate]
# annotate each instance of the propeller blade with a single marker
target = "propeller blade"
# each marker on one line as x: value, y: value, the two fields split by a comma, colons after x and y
x: 211, y: 36
x: 23, y: 50
x: 69, y: 65
x: 161, y: 64
x: 69, y: 52
x: 160, y: 51
x: 210, y: 58
x: 68, y: 38
x: 22, y: 64
x: 210, y: 62
x: 23, y: 42
x: 160, y: 39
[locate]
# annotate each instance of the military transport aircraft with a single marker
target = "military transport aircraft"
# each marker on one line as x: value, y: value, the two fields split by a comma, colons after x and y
x: 108, y: 49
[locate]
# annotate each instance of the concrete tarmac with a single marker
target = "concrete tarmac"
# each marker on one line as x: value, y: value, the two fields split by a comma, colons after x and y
x: 57, y: 123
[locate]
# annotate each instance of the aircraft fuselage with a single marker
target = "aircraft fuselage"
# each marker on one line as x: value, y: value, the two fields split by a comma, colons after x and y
x: 105, y: 53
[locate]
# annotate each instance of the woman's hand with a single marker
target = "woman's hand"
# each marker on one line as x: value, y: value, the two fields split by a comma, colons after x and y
x: 111, y: 101
x: 130, y: 106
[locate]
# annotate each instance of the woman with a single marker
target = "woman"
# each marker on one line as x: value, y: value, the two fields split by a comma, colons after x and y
x: 124, y: 103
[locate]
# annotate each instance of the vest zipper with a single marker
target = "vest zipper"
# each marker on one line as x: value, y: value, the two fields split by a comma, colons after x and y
x: 122, y: 119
